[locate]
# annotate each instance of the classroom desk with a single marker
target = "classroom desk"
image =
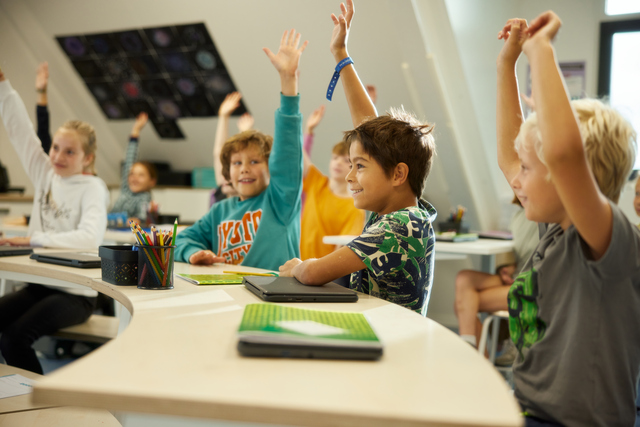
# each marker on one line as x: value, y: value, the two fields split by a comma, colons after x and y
x: 178, y: 357
x: 486, y: 248
x: 20, y: 411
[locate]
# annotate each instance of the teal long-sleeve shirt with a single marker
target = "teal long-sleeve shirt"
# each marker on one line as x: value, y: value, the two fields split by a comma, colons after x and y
x: 263, y: 231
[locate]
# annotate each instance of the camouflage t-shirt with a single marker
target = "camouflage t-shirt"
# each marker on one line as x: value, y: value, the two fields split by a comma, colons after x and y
x: 398, y: 250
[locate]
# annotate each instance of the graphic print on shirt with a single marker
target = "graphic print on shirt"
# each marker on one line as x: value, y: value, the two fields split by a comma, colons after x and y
x: 235, y: 237
x: 50, y: 211
x: 525, y: 327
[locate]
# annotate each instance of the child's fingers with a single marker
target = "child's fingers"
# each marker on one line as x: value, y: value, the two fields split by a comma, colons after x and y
x: 296, y: 42
x: 350, y: 10
x: 291, y: 37
x: 283, y: 40
x: 270, y: 54
x: 334, y: 18
x: 304, y: 46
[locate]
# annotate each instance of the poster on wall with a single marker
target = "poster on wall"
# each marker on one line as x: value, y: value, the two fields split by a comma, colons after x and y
x: 574, y: 78
x: 170, y: 72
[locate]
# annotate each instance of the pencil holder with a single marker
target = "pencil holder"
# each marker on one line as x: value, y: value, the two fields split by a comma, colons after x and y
x: 458, y: 226
x: 155, y: 267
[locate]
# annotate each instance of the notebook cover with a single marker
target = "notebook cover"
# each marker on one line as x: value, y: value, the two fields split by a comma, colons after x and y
x: 278, y: 327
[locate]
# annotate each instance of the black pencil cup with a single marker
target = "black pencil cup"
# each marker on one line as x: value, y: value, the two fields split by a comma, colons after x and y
x: 458, y: 226
x: 119, y: 265
x: 155, y: 267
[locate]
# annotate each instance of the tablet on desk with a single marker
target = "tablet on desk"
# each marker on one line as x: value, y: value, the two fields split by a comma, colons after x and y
x: 70, y: 259
x: 288, y: 289
x: 15, y: 250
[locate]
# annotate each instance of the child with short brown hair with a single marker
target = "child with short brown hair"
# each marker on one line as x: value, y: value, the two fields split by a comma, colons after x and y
x: 261, y: 226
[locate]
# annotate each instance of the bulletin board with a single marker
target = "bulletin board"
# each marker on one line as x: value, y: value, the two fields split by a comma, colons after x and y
x: 169, y: 72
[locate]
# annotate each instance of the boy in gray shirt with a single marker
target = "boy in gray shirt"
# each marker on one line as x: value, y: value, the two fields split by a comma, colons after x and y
x: 575, y: 306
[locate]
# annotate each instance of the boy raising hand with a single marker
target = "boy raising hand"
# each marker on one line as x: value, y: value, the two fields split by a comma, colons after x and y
x: 390, y: 157
x: 261, y: 226
x: 571, y: 306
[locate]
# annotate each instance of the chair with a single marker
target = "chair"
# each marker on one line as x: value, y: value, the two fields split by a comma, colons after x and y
x: 492, y: 318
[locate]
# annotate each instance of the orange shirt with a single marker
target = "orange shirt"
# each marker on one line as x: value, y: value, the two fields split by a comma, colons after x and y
x: 325, y: 214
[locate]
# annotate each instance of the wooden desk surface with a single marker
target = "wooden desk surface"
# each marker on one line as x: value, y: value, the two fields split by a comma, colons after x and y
x: 178, y: 356
x: 19, y: 411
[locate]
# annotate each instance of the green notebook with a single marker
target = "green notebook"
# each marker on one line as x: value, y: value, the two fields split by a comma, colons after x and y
x: 212, y: 279
x: 272, y: 330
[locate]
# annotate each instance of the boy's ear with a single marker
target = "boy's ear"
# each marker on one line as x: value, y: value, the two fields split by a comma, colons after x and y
x: 400, y: 174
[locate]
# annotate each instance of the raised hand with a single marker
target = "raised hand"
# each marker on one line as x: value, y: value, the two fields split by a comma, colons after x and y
x: 205, y: 257
x: 245, y: 122
x: 514, y: 34
x: 42, y: 77
x: 542, y: 29
x: 314, y: 119
x: 529, y: 102
x: 140, y: 122
x: 286, y: 61
x: 372, y: 92
x: 229, y: 105
x: 341, y: 28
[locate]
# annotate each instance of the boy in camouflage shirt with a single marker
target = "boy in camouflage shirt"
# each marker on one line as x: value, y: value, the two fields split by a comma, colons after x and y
x: 390, y: 156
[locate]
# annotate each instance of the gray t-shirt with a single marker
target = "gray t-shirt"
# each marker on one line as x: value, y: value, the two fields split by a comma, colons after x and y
x: 576, y: 324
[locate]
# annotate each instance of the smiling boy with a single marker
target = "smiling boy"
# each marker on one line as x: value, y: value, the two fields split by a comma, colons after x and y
x: 261, y: 226
x: 575, y: 303
x: 390, y: 156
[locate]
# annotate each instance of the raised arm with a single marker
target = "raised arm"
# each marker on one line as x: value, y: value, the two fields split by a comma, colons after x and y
x: 42, y: 113
x: 587, y: 207
x: 21, y: 133
x: 314, y: 119
x: 228, y: 106
x: 360, y: 105
x: 131, y: 154
x: 509, y: 111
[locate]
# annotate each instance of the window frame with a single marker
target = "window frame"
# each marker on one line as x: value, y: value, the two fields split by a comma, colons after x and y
x: 607, y: 30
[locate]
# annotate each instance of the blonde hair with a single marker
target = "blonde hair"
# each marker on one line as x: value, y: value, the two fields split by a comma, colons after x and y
x: 88, y: 139
x: 609, y: 143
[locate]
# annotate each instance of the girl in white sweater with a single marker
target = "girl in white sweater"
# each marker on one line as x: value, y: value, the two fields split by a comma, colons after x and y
x: 69, y: 211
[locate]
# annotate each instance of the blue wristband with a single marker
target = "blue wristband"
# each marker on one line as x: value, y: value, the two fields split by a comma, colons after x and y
x: 336, y: 75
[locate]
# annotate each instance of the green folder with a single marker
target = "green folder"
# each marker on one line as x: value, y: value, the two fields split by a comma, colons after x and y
x: 211, y: 279
x: 272, y: 330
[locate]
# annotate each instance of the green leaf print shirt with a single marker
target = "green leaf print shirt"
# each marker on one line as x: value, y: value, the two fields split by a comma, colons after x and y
x: 398, y: 250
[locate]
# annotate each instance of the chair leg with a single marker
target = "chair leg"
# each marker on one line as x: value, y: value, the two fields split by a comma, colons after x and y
x: 483, y: 336
x: 495, y: 331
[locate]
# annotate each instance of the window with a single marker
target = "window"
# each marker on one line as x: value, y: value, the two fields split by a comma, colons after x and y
x: 621, y: 7
x: 618, y: 70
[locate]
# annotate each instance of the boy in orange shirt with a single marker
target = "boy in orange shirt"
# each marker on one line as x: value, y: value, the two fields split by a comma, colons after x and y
x: 328, y: 208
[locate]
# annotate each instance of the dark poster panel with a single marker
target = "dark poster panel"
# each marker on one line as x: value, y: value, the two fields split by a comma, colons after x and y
x: 169, y: 72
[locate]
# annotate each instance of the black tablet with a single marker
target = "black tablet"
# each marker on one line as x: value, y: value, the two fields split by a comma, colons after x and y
x: 289, y: 289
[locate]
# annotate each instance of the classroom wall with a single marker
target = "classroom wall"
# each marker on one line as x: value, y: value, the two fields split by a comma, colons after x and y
x: 396, y: 60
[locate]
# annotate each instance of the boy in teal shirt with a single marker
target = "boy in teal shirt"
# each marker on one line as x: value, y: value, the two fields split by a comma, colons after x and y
x: 261, y: 227
x: 390, y: 156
